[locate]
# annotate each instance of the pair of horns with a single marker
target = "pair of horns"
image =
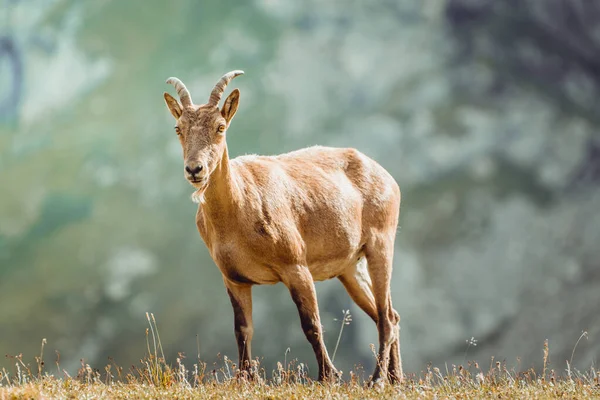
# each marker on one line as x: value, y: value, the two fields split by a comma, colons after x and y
x: 215, y: 95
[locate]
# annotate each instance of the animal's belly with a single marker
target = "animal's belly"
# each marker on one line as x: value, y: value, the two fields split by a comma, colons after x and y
x: 263, y: 260
x: 240, y: 264
x: 331, y: 267
x: 249, y: 273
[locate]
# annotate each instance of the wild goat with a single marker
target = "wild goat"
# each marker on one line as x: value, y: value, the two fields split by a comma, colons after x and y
x: 296, y: 218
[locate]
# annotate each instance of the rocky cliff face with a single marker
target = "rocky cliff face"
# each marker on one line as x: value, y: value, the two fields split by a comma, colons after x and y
x: 484, y: 114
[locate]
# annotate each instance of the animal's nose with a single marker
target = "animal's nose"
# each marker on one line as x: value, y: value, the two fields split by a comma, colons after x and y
x: 193, y: 171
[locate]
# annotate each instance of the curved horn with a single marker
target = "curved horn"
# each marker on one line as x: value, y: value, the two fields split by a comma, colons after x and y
x: 182, y: 92
x: 217, y: 92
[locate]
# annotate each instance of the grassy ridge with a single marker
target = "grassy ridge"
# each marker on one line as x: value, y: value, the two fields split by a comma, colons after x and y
x: 155, y: 378
x: 234, y: 389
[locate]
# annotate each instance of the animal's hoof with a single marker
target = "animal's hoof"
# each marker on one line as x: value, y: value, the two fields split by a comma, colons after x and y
x: 246, y: 376
x: 332, y: 376
x: 376, y: 383
x: 395, y: 379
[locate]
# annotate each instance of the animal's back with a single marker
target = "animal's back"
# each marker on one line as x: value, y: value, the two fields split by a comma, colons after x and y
x: 307, y: 166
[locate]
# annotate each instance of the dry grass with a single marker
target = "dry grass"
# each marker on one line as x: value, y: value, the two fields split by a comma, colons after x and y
x: 154, y: 378
x: 441, y: 388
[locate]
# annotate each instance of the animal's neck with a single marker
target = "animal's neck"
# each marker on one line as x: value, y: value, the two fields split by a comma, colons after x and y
x: 222, y: 193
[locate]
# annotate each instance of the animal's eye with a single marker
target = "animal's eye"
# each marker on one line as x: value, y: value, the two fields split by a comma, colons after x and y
x: 221, y: 128
x: 177, y: 130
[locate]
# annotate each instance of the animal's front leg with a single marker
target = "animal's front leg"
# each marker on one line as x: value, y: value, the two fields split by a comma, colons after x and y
x: 241, y: 300
x: 300, y: 283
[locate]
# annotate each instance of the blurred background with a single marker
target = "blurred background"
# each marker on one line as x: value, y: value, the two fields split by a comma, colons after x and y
x: 485, y: 112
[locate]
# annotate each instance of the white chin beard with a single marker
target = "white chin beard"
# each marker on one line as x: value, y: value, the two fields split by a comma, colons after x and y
x: 198, y: 195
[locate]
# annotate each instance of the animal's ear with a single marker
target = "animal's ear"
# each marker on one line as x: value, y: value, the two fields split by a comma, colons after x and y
x: 231, y: 105
x: 173, y: 105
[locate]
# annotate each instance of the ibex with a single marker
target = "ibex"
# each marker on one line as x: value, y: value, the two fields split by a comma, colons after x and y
x: 296, y: 218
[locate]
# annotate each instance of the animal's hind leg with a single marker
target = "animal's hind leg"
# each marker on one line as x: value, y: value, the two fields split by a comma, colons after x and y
x: 358, y: 285
x: 395, y: 373
x: 379, y: 251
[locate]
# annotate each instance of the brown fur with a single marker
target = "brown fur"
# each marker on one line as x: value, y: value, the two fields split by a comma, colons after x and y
x: 296, y: 218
